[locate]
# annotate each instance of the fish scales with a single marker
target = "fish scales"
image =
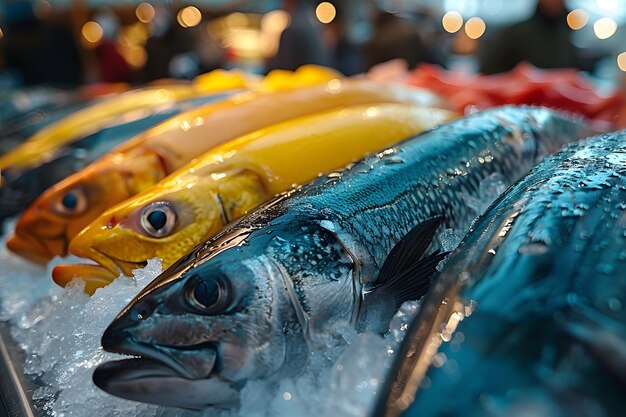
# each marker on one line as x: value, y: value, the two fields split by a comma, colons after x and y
x: 543, y: 275
x: 420, y: 187
x: 320, y: 250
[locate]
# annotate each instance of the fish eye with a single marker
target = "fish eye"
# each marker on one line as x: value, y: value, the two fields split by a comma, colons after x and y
x: 208, y: 296
x: 72, y: 202
x: 158, y: 219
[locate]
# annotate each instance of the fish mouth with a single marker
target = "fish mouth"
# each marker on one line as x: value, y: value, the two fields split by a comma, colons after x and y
x: 149, y: 381
x: 96, y: 275
x: 37, y: 250
x: 170, y: 375
x: 113, y: 264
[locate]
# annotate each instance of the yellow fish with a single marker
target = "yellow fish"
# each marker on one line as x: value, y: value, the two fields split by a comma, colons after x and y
x: 47, y: 226
x: 192, y: 204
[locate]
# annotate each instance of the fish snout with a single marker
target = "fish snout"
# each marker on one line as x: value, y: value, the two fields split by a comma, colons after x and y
x: 29, y: 247
x: 116, y: 336
x: 132, y: 333
x: 38, y: 237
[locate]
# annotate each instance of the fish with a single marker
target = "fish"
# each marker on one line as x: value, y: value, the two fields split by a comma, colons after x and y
x: 16, y: 102
x: 190, y: 205
x: 39, y: 147
x: 20, y: 188
x: 527, y: 316
x: 47, y: 226
x: 292, y: 276
x: 19, y: 129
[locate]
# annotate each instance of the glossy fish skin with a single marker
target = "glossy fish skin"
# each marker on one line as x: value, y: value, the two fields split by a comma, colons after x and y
x: 543, y: 274
x: 39, y: 148
x: 222, y: 185
x: 20, y: 188
x: 14, y: 103
x: 20, y: 129
x: 46, y: 227
x: 292, y: 274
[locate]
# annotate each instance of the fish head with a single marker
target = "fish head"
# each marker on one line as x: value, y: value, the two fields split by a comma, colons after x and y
x: 46, y: 227
x: 165, y: 222
x: 199, y: 336
x: 222, y: 319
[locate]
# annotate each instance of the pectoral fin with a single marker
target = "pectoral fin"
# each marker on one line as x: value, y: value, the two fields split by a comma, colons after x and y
x: 405, y: 275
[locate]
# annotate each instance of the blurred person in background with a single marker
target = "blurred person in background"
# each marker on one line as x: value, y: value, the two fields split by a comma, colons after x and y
x: 167, y: 46
x: 543, y: 40
x: 301, y: 43
x: 40, y: 51
x: 346, y: 56
x: 111, y: 64
x: 395, y: 37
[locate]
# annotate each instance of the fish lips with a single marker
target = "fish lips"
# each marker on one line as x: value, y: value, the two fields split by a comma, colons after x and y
x: 150, y: 381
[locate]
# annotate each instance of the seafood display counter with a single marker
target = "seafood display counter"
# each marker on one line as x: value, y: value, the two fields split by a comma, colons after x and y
x: 264, y: 252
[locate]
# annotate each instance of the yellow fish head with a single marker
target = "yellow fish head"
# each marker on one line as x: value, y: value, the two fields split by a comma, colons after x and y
x: 46, y: 227
x: 164, y: 222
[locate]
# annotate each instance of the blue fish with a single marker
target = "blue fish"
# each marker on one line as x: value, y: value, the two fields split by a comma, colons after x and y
x: 531, y: 307
x: 346, y: 250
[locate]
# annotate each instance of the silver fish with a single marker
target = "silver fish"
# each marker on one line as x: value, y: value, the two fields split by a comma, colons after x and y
x: 531, y: 307
x: 288, y: 278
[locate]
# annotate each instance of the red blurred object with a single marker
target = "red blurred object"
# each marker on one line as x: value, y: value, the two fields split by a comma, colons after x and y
x: 562, y: 89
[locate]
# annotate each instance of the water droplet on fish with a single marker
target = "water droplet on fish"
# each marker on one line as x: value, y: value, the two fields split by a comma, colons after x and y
x: 393, y: 160
x: 534, y: 248
x: 605, y: 268
x: 614, y: 304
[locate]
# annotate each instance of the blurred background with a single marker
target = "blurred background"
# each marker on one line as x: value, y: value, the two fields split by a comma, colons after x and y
x: 72, y: 42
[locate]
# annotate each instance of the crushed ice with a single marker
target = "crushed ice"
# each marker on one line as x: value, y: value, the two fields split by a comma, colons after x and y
x: 59, y: 331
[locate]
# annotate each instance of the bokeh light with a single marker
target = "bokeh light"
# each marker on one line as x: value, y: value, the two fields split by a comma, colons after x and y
x: 92, y: 32
x: 237, y: 19
x: 605, y: 28
x: 145, y: 12
x: 621, y: 61
x: 325, y: 12
x: 577, y: 19
x: 136, y: 56
x: 452, y: 22
x: 1, y: 33
x: 475, y: 27
x: 189, y: 17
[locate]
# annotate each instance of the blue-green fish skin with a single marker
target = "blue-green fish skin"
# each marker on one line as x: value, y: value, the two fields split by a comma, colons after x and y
x: 20, y: 188
x: 543, y: 273
x: 287, y: 277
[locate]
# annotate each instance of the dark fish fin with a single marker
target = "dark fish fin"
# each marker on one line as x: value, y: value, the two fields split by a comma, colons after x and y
x: 408, y: 250
x: 412, y: 282
x: 406, y: 275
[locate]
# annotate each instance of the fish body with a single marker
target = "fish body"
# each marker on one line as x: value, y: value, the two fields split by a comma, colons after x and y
x: 47, y: 226
x: 14, y: 103
x: 21, y: 187
x: 19, y: 129
x: 530, y: 306
x: 39, y: 147
x: 287, y: 279
x: 195, y: 202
